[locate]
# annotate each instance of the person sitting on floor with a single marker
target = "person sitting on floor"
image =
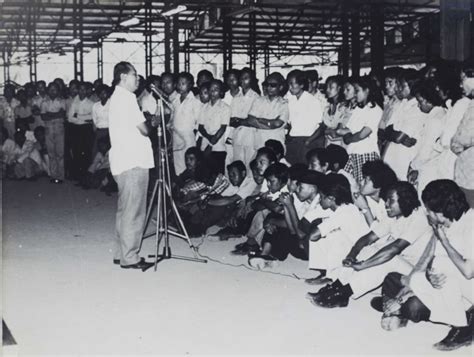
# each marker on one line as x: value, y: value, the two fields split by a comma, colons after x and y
x: 372, y: 257
x: 276, y: 176
x: 25, y: 165
x: 7, y: 152
x: 337, y: 157
x: 98, y: 174
x: 288, y: 234
x: 217, y: 209
x: 40, y: 146
x: 318, y: 160
x: 440, y: 286
x: 193, y: 158
x: 332, y: 238
x: 239, y: 223
x: 279, y: 150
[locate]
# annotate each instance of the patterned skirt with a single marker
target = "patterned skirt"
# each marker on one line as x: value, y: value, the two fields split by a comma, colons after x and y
x: 356, y: 161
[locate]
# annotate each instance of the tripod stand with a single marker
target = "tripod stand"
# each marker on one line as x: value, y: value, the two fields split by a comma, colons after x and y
x: 164, y: 199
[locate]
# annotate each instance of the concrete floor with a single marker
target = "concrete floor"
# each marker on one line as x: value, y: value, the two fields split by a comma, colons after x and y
x: 62, y: 295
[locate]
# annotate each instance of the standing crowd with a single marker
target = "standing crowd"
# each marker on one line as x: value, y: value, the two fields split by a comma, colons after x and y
x: 370, y: 179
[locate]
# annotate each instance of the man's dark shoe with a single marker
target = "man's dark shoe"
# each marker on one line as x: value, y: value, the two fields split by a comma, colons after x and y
x: 335, y: 298
x: 245, y: 249
x: 457, y: 337
x: 142, y: 264
x: 377, y: 303
x: 116, y: 261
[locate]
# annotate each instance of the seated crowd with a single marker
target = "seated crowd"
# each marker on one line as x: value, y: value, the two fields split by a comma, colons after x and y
x: 372, y: 186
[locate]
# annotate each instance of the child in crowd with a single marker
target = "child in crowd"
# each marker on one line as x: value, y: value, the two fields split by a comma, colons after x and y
x: 98, y: 172
x: 276, y: 176
x: 305, y: 115
x: 377, y: 178
x: 213, y: 120
x: 334, y: 112
x: 239, y: 222
x: 243, y: 138
x: 217, y: 209
x: 279, y: 150
x: 287, y: 235
x: 420, y: 171
x: 391, y: 100
x: 36, y: 102
x: 53, y: 113
x: 100, y: 115
x: 82, y: 132
x: 184, y: 118
x: 372, y: 257
x: 404, y: 129
x: 23, y: 114
x: 360, y: 134
x: 193, y: 159
x: 7, y: 153
x: 318, y: 160
x: 337, y: 157
x: 439, y: 288
x: 232, y: 91
x: 331, y: 239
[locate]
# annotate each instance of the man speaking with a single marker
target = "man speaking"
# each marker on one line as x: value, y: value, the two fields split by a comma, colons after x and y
x: 131, y: 157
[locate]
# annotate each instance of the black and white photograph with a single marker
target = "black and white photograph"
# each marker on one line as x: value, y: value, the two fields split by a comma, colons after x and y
x: 237, y: 177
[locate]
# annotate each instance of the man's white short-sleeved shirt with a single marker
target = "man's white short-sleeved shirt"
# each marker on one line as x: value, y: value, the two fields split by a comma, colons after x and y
x: 212, y: 117
x: 129, y: 148
x: 305, y: 114
x: 100, y: 115
x: 246, y: 189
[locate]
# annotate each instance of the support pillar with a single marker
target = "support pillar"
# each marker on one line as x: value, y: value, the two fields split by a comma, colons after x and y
x: 377, y: 38
x: 455, y: 29
x: 266, y: 61
x: 227, y: 43
x: 31, y: 28
x: 175, y: 33
x: 6, y: 65
x: 252, y: 42
x: 100, y: 58
x: 187, y: 52
x: 344, y: 54
x: 167, y: 43
x: 355, y: 42
x: 148, y: 44
x: 78, y: 34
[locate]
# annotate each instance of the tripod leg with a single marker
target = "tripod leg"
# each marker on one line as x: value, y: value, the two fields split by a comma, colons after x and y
x: 158, y: 224
x: 180, y: 221
x: 150, y: 207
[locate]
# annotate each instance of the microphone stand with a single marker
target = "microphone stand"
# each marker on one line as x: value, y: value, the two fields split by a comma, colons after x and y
x: 162, y: 197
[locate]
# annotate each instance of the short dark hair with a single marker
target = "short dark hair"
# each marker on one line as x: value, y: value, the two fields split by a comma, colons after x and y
x: 319, y: 153
x: 279, y: 170
x: 336, y: 154
x: 220, y: 84
x: 427, y: 90
x: 392, y: 72
x: 276, y: 146
x: 239, y: 165
x: 187, y: 76
x: 296, y: 170
x: 380, y: 174
x: 446, y: 197
x: 205, y: 72
x: 312, y: 75
x: 269, y: 153
x: 194, y: 150
x: 119, y: 69
x: 338, y: 186
x: 299, y: 76
x: 407, y: 197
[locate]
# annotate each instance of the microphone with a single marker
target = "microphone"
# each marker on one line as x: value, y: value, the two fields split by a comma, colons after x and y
x: 161, y: 95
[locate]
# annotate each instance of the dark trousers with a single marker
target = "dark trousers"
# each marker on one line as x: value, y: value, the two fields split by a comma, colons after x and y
x: 413, y: 309
x: 284, y: 243
x: 296, y: 149
x: 209, y: 216
x: 81, y: 141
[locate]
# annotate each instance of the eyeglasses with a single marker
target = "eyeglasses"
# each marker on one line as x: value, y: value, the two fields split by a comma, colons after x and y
x: 271, y: 84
